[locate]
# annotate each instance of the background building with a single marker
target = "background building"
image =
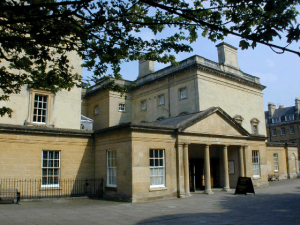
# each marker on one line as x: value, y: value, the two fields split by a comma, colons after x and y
x: 283, y: 124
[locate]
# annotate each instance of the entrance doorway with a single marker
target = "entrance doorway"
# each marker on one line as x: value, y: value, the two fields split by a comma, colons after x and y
x: 197, y: 178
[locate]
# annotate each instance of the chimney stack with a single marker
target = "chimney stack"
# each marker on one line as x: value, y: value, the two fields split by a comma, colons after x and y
x: 227, y: 55
x: 145, y: 67
x: 281, y: 106
x: 271, y: 108
x: 297, y: 108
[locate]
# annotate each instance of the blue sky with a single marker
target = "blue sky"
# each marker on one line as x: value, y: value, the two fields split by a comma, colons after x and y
x: 279, y: 72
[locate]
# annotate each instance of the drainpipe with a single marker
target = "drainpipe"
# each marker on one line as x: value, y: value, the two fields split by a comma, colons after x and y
x: 169, y: 102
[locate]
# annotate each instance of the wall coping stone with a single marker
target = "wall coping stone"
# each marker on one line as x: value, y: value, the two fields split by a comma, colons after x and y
x: 44, y: 130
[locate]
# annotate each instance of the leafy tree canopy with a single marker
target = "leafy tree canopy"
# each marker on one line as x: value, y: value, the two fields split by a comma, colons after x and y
x: 36, y: 35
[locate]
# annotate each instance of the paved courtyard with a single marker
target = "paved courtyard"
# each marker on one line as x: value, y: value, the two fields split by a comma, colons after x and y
x: 277, y: 204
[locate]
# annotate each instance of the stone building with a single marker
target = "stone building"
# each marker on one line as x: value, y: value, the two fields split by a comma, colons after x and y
x: 283, y: 124
x: 192, y: 127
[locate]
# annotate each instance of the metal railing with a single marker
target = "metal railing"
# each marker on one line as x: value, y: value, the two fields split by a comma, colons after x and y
x: 33, y: 188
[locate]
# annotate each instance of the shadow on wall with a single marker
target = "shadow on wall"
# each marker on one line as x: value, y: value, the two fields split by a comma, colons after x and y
x: 85, y: 183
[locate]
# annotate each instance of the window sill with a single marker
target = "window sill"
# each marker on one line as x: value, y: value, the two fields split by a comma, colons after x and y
x: 158, y: 189
x: 50, y: 188
x: 256, y: 178
x: 182, y: 98
x: 38, y: 124
x: 110, y: 188
x: 122, y: 111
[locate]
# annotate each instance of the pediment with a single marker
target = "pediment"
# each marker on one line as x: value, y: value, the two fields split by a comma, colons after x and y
x: 216, y: 124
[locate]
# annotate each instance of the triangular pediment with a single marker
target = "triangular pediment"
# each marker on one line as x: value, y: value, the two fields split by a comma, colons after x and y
x: 216, y: 123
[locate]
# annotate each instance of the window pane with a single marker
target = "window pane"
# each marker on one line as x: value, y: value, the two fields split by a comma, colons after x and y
x: 50, y: 176
x: 157, y: 170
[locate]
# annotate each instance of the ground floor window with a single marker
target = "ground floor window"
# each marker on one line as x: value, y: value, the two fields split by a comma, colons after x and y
x: 157, y: 168
x: 255, y: 163
x: 111, y: 168
x: 275, y: 156
x: 51, y: 168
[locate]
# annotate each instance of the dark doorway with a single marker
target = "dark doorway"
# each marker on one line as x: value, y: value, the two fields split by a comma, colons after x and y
x: 197, y: 179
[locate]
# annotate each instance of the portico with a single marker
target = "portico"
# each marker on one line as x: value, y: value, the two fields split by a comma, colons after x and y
x: 206, y: 166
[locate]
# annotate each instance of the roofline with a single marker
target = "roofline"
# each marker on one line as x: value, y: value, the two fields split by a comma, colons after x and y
x: 202, y: 67
x: 44, y: 130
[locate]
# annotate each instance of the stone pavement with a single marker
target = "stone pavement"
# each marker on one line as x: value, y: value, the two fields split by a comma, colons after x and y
x: 277, y: 204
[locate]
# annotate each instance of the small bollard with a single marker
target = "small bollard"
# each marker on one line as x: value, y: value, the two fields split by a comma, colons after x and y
x: 18, y: 198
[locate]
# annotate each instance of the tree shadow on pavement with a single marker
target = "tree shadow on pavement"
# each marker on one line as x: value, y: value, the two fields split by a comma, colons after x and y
x: 238, y: 209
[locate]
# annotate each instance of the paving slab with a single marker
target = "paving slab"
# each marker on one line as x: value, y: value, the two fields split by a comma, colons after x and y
x: 277, y: 204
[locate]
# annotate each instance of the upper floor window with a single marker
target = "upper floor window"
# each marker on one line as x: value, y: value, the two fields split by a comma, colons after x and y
x: 255, y: 129
x: 144, y: 105
x: 40, y: 109
x: 292, y: 130
x: 51, y: 168
x: 254, y: 123
x: 161, y: 100
x: 282, y: 131
x: 96, y: 110
x: 291, y: 117
x: 183, y: 93
x: 122, y: 107
x: 276, y: 120
x: 274, y: 132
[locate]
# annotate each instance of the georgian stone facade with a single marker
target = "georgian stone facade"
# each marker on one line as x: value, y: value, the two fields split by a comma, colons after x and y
x: 193, y: 127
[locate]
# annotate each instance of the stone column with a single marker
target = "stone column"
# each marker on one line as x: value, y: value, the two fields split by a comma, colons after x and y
x: 186, y: 169
x: 207, y: 170
x: 241, y: 161
x: 180, y: 171
x: 226, y: 173
x: 246, y: 173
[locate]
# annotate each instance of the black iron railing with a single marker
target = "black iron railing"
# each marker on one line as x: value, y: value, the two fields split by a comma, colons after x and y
x: 33, y: 188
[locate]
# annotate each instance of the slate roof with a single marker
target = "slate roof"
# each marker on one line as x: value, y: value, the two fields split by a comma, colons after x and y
x: 282, y: 112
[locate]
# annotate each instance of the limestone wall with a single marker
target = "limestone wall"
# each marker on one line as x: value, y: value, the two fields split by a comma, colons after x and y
x: 21, y: 155
x: 63, y: 108
x: 234, y: 98
x: 142, y: 142
x: 120, y: 141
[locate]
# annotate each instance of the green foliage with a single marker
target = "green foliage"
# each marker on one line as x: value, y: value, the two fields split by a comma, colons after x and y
x: 37, y: 35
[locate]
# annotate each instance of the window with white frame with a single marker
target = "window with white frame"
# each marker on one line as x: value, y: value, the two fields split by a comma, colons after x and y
x: 274, y: 132
x: 292, y: 130
x: 255, y: 163
x: 40, y: 109
x: 144, y: 105
x: 291, y: 117
x: 275, y: 156
x: 282, y: 129
x: 111, y: 168
x: 161, y: 100
x: 51, y: 168
x: 157, y: 168
x: 183, y: 93
x: 96, y: 110
x: 255, y: 130
x: 122, y: 107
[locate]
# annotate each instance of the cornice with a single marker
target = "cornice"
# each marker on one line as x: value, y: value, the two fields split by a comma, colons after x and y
x: 205, y: 68
x: 8, y: 128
